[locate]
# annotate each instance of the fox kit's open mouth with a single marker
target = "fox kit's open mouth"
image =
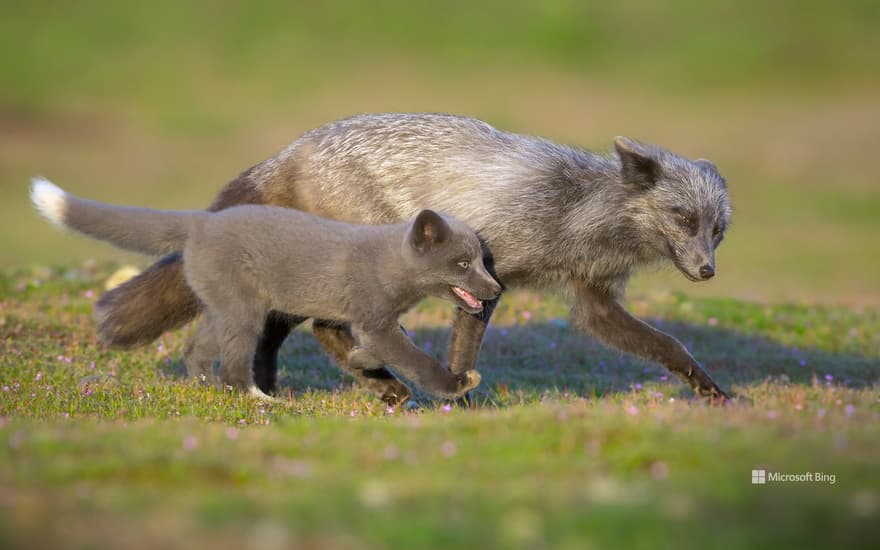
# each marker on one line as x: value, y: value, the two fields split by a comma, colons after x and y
x: 468, y: 301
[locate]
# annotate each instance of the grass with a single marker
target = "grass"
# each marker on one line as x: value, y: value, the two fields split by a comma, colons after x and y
x: 570, y: 444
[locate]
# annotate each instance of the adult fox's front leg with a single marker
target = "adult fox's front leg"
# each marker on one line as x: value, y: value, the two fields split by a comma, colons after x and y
x: 599, y: 314
x: 466, y: 341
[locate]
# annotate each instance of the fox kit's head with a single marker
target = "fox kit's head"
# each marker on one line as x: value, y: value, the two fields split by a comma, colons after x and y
x: 682, y: 208
x: 446, y: 259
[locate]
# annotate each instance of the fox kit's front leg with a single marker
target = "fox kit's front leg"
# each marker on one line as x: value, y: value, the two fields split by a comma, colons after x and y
x: 338, y: 342
x: 598, y: 313
x: 391, y: 346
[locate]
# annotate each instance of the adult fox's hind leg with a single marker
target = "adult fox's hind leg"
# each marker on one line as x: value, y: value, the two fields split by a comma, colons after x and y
x: 275, y: 330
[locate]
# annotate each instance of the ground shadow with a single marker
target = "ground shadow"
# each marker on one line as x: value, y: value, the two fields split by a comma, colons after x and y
x: 541, y: 357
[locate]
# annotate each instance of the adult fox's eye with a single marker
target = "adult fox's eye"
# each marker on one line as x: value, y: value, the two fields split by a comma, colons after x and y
x: 464, y: 264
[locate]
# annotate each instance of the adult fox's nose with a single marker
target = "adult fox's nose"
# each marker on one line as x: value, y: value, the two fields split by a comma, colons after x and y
x: 707, y: 272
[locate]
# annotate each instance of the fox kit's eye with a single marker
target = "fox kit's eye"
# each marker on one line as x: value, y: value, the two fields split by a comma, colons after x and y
x: 464, y: 264
x: 716, y: 231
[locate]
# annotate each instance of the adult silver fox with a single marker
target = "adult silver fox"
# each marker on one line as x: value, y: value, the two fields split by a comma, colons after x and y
x: 548, y: 215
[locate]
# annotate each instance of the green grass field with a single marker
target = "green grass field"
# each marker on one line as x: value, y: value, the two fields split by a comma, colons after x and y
x: 570, y: 444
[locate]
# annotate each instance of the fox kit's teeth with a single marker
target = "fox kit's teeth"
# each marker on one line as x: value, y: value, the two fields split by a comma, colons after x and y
x: 48, y: 199
x: 469, y: 299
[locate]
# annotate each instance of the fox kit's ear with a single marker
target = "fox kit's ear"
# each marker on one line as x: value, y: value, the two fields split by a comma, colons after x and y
x: 638, y: 164
x: 428, y: 229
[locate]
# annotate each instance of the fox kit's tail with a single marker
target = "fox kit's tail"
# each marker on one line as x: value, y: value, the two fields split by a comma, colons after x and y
x: 137, y: 229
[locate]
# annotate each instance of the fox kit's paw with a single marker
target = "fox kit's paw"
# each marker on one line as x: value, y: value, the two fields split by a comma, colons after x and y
x: 467, y: 381
x: 257, y: 393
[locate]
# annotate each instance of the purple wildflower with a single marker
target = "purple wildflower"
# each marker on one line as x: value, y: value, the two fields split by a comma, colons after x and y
x: 448, y: 448
x: 190, y: 443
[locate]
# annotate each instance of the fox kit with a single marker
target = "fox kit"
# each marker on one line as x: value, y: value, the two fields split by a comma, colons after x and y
x: 246, y: 262
x: 550, y: 214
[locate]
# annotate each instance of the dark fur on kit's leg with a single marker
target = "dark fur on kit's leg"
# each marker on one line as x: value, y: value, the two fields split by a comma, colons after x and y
x: 275, y: 331
x: 337, y: 341
x: 599, y: 314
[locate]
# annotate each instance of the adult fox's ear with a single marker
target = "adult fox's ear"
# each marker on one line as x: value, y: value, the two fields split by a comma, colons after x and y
x: 428, y: 229
x: 710, y: 167
x: 639, y: 165
x: 706, y: 165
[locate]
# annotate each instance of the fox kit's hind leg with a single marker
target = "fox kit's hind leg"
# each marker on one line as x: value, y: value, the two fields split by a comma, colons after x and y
x: 393, y: 347
x: 236, y: 313
x: 200, y: 352
x: 238, y: 341
x: 337, y: 341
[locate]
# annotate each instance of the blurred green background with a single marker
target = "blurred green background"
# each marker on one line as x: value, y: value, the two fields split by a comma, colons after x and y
x: 160, y: 103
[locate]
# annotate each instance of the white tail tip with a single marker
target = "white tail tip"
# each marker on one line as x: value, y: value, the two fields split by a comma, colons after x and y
x: 48, y: 199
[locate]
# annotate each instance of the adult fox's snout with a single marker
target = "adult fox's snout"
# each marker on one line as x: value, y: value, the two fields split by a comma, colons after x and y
x: 697, y: 265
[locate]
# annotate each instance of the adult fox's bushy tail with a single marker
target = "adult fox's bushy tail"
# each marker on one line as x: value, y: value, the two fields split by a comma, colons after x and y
x: 141, y: 230
x: 141, y: 309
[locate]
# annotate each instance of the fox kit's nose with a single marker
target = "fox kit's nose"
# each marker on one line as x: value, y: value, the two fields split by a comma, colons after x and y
x: 496, y: 290
x: 707, y: 272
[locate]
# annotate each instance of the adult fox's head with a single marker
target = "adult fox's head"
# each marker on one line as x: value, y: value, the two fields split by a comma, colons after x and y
x: 682, y: 209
